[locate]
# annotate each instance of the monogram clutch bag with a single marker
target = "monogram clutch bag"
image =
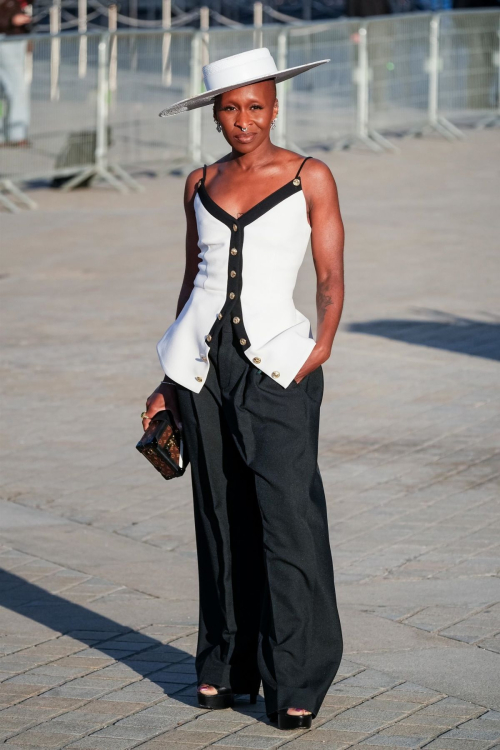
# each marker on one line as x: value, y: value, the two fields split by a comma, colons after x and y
x: 163, y: 446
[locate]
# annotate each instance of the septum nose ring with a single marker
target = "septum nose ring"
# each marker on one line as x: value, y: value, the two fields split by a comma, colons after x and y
x: 243, y: 129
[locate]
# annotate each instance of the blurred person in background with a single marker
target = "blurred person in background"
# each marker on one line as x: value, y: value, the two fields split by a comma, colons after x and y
x: 15, y: 23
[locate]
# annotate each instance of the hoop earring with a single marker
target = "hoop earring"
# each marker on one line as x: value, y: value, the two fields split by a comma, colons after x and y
x: 218, y: 127
x: 273, y: 124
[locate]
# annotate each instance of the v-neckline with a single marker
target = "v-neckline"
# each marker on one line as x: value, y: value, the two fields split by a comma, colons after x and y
x: 259, y: 209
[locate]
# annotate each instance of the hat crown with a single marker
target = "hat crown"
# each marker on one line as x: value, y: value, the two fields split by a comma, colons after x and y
x: 237, y: 69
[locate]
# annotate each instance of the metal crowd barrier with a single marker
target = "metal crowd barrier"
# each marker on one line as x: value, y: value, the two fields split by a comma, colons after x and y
x: 92, y: 100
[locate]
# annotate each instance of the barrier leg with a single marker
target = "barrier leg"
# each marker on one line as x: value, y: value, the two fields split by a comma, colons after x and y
x: 126, y: 178
x: 18, y: 193
x: 436, y: 122
x: 7, y: 203
x: 111, y: 173
x: 364, y: 134
x: 9, y: 187
x: 196, y: 156
x: 78, y: 179
x: 282, y: 138
x: 493, y: 119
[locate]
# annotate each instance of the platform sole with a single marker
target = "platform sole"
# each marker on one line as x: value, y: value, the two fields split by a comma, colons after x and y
x: 216, y: 702
x: 224, y: 700
x: 290, y: 721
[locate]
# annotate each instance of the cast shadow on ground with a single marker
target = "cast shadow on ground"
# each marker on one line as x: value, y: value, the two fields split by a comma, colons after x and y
x: 452, y: 333
x: 148, y: 657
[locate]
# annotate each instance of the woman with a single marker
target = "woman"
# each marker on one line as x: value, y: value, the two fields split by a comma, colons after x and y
x: 244, y: 380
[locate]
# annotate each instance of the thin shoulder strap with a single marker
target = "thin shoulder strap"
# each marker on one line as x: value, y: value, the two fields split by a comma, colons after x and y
x: 300, y: 168
x: 202, y: 181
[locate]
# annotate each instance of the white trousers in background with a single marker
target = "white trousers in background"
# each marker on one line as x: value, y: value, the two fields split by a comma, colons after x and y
x: 14, y: 122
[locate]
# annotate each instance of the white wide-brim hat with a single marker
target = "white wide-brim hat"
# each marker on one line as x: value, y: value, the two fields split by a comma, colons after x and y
x: 236, y: 71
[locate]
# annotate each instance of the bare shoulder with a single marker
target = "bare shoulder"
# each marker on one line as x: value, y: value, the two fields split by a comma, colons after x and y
x: 318, y: 183
x: 192, y: 181
x: 317, y: 172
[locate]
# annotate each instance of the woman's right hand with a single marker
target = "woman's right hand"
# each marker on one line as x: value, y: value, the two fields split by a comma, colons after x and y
x: 164, y: 397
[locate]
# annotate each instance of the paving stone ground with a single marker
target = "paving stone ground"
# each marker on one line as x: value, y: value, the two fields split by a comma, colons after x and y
x: 98, y: 566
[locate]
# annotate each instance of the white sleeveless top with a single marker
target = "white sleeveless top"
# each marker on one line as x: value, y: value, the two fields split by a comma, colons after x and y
x: 248, y: 270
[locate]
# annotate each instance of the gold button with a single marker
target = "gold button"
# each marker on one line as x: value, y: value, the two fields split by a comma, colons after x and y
x: 219, y: 316
x: 208, y: 338
x: 243, y: 342
x: 232, y: 274
x: 257, y: 360
x: 232, y: 295
x: 296, y: 181
x: 236, y: 319
x: 235, y: 227
x: 276, y: 374
x: 198, y: 379
x: 234, y: 251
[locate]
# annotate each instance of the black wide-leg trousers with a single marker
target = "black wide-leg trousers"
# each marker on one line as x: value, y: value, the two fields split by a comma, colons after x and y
x: 268, y: 608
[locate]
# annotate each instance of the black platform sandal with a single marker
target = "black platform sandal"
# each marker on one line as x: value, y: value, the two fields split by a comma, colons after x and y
x: 223, y: 698
x: 226, y: 699
x: 290, y: 721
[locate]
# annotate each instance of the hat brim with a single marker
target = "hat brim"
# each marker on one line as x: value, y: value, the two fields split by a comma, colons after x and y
x: 201, y: 100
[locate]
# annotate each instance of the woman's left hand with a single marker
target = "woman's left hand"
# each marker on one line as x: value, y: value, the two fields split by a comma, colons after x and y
x: 317, y: 357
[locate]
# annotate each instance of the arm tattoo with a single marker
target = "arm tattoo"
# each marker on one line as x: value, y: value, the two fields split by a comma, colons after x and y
x: 323, y: 300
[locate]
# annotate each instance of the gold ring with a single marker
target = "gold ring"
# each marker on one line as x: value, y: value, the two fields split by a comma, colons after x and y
x: 144, y: 415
